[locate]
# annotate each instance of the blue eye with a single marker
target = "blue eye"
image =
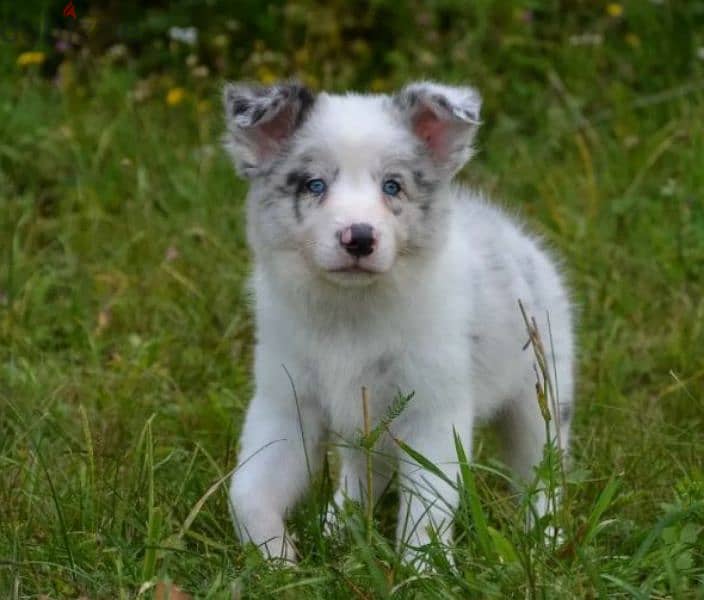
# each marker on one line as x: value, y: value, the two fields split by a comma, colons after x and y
x: 391, y: 187
x: 316, y: 186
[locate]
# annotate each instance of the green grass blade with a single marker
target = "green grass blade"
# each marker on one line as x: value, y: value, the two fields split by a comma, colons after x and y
x: 602, y: 503
x: 470, y: 494
x: 422, y: 461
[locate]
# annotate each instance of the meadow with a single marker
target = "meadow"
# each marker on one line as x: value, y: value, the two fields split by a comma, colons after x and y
x: 126, y: 330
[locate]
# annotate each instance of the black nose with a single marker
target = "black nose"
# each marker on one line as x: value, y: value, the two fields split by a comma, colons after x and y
x: 358, y: 239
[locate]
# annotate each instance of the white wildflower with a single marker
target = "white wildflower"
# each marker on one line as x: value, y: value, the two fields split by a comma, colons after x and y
x: 669, y: 188
x: 186, y: 35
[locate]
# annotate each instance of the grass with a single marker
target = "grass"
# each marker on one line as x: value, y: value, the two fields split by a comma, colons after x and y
x: 126, y: 336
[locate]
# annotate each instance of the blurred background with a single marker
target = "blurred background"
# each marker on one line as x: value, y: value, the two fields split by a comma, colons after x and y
x: 125, y: 327
x: 588, y: 54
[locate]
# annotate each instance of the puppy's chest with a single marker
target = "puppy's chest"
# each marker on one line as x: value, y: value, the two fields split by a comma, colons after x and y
x: 340, y: 375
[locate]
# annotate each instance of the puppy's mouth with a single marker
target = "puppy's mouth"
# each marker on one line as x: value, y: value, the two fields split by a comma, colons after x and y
x: 352, y: 275
x: 354, y: 269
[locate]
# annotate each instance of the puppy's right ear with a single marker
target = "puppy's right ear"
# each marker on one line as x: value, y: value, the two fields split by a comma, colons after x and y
x: 261, y: 120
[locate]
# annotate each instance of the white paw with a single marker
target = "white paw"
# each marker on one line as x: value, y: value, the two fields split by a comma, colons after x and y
x: 414, y: 557
x: 280, y: 549
x: 420, y: 558
x: 332, y: 520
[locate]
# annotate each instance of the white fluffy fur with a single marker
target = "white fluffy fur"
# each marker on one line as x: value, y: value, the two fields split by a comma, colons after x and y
x: 436, y: 313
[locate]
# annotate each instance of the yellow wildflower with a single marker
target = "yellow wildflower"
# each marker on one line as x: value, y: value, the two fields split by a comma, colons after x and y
x: 632, y: 40
x: 221, y: 41
x: 175, y: 96
x: 30, y: 58
x: 614, y: 9
x: 265, y: 75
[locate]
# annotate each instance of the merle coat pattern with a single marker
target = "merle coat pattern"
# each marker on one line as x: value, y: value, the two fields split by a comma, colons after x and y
x: 373, y: 268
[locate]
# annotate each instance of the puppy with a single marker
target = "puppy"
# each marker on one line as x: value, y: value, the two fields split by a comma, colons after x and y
x: 372, y: 268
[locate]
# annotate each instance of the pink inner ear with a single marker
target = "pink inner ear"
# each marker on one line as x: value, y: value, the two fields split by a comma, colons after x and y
x: 272, y: 133
x: 432, y: 130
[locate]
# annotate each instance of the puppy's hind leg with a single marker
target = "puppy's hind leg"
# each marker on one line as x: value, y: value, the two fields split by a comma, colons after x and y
x: 524, y: 433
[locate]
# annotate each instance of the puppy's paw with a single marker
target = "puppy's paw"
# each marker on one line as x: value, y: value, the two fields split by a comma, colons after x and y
x: 424, y: 559
x: 281, y: 550
x: 333, y: 520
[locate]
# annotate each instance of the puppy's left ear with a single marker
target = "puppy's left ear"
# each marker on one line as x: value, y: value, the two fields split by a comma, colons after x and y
x: 445, y: 118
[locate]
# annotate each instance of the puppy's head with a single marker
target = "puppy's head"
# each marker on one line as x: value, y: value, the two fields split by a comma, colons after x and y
x: 349, y: 185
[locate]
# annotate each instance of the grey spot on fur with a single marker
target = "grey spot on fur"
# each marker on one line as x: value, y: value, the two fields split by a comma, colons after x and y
x: 258, y: 113
x: 307, y: 99
x: 565, y: 412
x: 240, y: 106
x: 396, y: 208
x: 442, y: 102
x: 529, y: 271
x: 404, y: 101
x: 468, y: 115
x: 495, y: 263
x: 295, y: 186
x: 475, y: 338
x: 383, y: 364
x: 295, y: 181
x: 427, y: 186
x: 297, y: 207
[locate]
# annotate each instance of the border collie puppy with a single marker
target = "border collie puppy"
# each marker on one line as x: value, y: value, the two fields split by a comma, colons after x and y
x: 373, y: 269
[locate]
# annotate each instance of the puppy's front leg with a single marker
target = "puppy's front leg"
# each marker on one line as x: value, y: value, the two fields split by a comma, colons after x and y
x: 353, y: 480
x: 274, y: 465
x: 428, y: 501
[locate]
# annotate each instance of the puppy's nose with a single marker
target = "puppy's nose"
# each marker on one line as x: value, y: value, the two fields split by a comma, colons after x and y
x: 358, y: 239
